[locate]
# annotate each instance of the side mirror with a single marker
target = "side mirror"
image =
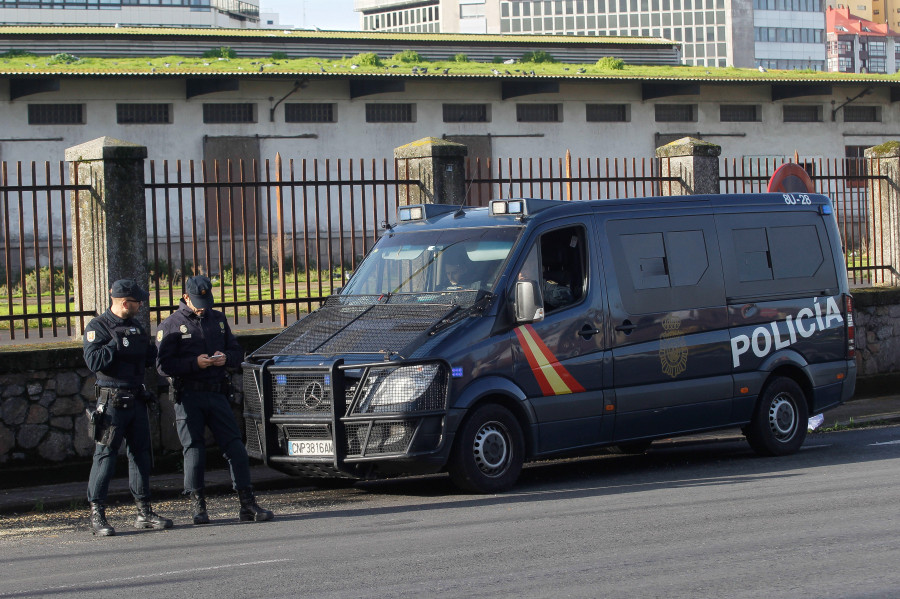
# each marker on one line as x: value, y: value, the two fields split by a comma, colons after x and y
x: 529, y: 306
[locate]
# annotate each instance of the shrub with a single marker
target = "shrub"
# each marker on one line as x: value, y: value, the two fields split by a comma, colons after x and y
x: 278, y: 56
x: 538, y: 56
x: 498, y: 60
x: 221, y: 52
x: 62, y: 58
x: 16, y: 54
x: 610, y: 63
x: 369, y: 59
x: 461, y: 57
x: 408, y: 56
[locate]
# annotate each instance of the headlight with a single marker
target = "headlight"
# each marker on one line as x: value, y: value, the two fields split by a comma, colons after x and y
x: 399, y: 389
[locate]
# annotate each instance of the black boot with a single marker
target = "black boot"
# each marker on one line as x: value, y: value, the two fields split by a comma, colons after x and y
x: 198, y: 506
x: 147, y: 518
x: 250, y: 510
x: 99, y: 525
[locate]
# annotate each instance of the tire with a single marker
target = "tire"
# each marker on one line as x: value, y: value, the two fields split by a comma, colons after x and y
x: 779, y: 420
x: 489, y: 451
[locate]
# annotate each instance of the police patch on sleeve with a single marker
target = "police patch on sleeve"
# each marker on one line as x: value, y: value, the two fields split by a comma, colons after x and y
x: 159, y: 335
x: 91, y: 335
x: 222, y: 326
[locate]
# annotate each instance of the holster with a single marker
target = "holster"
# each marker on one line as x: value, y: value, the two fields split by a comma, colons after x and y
x: 175, y: 386
x: 98, y: 420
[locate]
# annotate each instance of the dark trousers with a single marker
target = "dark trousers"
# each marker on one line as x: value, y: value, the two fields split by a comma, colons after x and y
x: 196, y: 411
x: 132, y: 426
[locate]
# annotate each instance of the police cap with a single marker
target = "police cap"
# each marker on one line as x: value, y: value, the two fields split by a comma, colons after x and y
x: 128, y: 288
x: 199, y: 289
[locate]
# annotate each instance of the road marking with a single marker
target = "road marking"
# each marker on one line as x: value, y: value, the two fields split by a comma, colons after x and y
x: 169, y: 573
x: 897, y: 442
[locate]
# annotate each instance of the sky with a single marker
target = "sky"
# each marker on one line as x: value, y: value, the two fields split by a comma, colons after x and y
x: 306, y: 14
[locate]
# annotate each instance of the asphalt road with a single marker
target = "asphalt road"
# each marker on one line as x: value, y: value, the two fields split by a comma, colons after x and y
x: 709, y: 520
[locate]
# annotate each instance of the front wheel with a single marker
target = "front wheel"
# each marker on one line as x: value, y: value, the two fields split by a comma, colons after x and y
x: 780, y: 420
x: 488, y: 452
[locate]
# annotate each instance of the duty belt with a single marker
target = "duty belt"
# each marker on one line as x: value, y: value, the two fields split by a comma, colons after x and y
x: 207, y: 386
x: 120, y: 397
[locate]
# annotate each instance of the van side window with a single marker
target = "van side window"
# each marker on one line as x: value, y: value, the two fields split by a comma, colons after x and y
x: 763, y: 259
x: 664, y: 264
x: 558, y: 263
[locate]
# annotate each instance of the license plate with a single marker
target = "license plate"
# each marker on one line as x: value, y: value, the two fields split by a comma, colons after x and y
x: 323, y: 447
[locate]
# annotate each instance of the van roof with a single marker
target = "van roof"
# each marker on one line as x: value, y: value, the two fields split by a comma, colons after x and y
x: 547, y: 209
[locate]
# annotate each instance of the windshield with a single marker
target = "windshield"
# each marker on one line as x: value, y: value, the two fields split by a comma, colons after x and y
x: 434, y: 261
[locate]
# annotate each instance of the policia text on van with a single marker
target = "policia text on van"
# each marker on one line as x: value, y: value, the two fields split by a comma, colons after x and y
x: 564, y: 326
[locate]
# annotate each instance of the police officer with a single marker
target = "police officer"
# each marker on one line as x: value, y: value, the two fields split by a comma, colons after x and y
x: 195, y: 346
x: 118, y: 350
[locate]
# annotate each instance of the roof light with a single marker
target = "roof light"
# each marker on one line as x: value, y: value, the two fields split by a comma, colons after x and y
x: 507, y: 207
x: 412, y: 213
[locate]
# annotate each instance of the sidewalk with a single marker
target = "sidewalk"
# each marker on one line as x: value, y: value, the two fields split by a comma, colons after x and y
x: 870, y: 409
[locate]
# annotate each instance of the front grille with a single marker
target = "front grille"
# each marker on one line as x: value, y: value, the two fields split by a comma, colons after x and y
x: 307, y: 431
x: 299, y: 392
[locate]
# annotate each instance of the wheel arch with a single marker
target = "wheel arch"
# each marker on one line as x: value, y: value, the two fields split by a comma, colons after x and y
x: 503, y: 392
x: 792, y: 365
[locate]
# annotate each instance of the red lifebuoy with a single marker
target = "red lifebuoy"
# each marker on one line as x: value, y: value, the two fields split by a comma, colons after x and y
x: 791, y: 177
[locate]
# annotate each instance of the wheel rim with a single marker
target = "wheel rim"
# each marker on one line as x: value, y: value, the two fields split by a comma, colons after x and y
x: 783, y: 417
x: 492, y: 449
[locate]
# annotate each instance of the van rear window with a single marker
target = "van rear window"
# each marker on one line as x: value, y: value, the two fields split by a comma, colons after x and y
x: 763, y: 258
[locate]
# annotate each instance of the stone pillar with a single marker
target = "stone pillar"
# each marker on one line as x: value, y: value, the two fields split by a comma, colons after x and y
x: 694, y: 161
x: 109, y: 221
x: 884, y: 237
x: 435, y: 170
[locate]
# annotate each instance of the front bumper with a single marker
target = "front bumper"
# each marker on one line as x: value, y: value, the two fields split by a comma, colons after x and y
x: 331, y: 403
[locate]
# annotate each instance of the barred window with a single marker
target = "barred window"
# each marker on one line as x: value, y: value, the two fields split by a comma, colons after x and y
x: 732, y: 113
x: 390, y: 113
x: 607, y: 113
x: 309, y: 113
x: 538, y: 113
x: 798, y: 113
x: 466, y: 113
x: 676, y: 113
x: 861, y: 114
x: 229, y: 113
x: 56, y: 114
x: 143, y: 114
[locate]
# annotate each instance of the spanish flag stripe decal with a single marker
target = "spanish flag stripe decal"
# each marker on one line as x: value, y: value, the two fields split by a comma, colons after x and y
x: 544, y: 364
x: 544, y: 384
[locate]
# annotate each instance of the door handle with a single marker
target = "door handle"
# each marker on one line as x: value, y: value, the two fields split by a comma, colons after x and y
x: 626, y: 327
x: 587, y: 332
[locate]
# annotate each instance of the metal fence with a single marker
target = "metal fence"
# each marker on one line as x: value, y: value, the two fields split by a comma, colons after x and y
x: 277, y: 238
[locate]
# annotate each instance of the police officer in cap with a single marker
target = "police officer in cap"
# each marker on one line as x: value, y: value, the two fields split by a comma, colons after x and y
x: 118, y: 350
x: 196, y: 346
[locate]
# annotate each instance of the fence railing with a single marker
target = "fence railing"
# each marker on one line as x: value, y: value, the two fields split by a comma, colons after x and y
x: 277, y: 238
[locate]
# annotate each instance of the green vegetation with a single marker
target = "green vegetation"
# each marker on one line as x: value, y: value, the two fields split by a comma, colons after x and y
x: 16, y: 54
x: 538, y: 57
x: 368, y: 59
x: 408, y: 56
x: 221, y: 52
x: 63, y: 58
x: 15, y: 61
x: 610, y: 63
x: 278, y: 56
x: 461, y: 57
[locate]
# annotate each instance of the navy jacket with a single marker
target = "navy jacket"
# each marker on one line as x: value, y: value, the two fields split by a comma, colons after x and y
x: 183, y: 336
x: 117, y: 350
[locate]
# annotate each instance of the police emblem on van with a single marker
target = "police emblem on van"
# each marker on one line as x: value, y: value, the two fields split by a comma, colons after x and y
x: 673, y: 351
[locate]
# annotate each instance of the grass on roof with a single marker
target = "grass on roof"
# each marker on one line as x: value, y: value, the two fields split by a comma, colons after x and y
x: 18, y: 63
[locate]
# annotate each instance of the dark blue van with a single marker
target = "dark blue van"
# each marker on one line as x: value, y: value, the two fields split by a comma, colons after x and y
x: 473, y: 339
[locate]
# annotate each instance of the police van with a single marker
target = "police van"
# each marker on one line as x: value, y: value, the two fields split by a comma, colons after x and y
x: 471, y: 340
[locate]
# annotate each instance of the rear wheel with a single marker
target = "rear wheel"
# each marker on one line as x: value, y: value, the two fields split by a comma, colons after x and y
x: 780, y: 419
x: 488, y: 452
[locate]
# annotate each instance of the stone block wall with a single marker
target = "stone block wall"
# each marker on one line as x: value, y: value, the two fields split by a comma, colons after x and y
x: 44, y: 391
